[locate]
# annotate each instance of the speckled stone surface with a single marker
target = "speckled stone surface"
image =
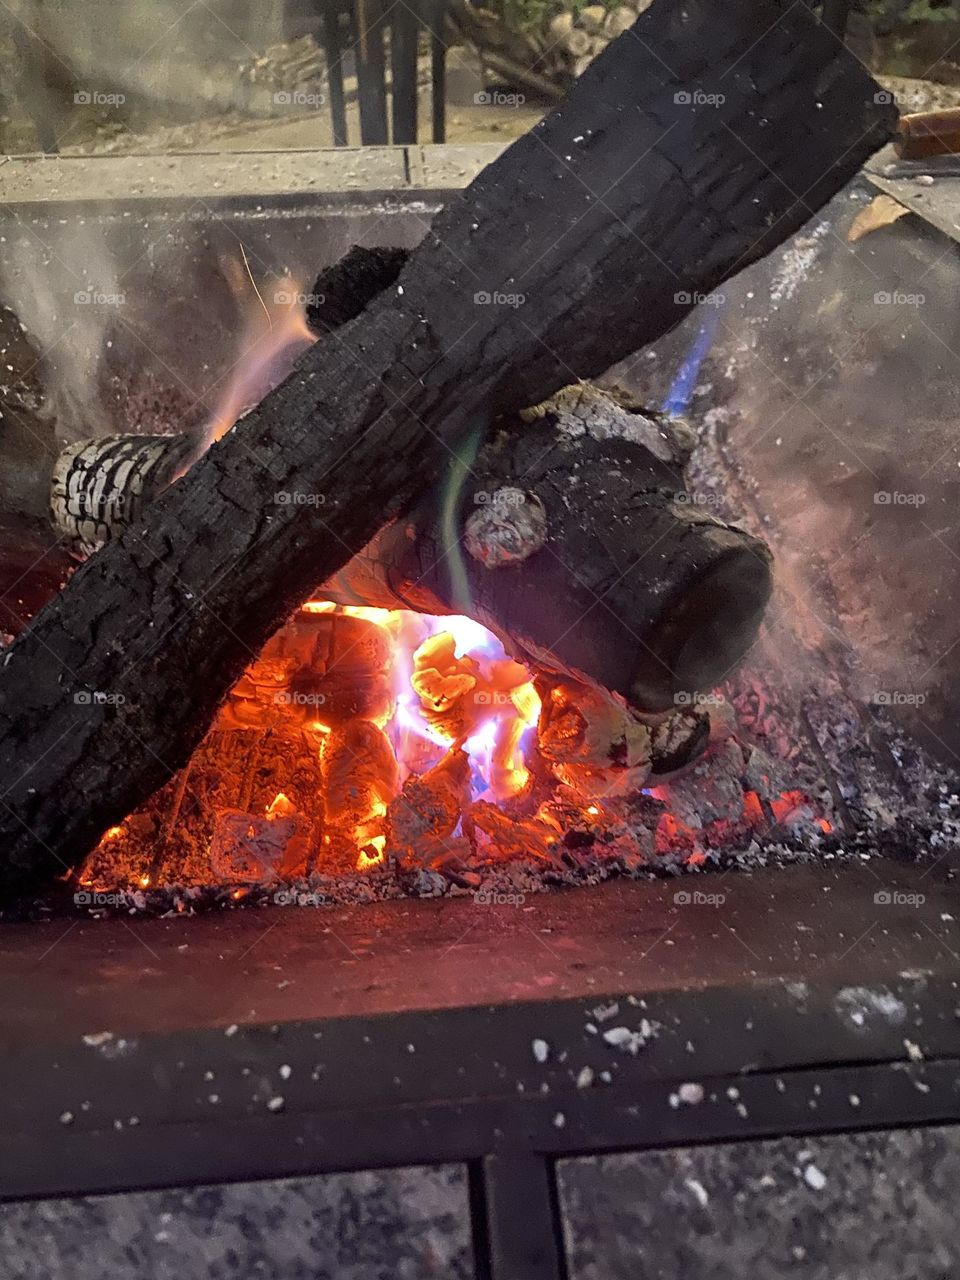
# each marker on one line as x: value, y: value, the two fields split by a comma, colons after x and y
x: 397, y: 1224
x: 869, y: 1206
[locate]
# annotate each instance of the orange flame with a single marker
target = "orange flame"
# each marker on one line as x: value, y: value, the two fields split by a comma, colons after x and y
x: 276, y: 332
x: 281, y: 806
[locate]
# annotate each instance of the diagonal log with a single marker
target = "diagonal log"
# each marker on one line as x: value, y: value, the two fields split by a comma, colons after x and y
x: 570, y: 534
x: 697, y: 142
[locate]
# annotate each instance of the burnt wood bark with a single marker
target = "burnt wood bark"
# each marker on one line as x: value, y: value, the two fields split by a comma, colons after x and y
x: 573, y: 538
x: 630, y: 193
x: 570, y: 535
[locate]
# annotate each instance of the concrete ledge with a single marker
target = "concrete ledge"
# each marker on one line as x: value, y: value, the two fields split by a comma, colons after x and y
x: 219, y: 175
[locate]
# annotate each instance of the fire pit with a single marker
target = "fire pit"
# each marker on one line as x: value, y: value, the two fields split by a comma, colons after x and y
x: 832, y: 979
x: 598, y: 647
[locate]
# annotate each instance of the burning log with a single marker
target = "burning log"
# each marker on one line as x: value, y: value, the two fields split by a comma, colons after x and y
x: 114, y: 683
x: 100, y: 486
x: 540, y: 514
x: 358, y: 772
x: 571, y: 540
x: 558, y: 481
x: 423, y: 817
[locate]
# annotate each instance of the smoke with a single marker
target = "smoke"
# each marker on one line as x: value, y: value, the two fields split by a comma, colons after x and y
x: 155, y: 60
x: 64, y: 288
x: 833, y: 386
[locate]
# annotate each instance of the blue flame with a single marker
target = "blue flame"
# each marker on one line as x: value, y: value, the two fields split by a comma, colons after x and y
x: 683, y: 386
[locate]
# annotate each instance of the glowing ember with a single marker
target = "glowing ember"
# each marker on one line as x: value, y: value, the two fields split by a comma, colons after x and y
x: 280, y: 807
x: 372, y: 740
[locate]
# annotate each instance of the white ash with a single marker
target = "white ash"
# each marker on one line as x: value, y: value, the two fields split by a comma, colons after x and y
x: 604, y: 1012
x: 796, y: 260
x: 858, y: 1004
x: 690, y: 1093
x: 814, y: 1178
x: 97, y: 1038
x: 711, y: 791
x: 698, y: 1190
x: 541, y: 1050
x: 914, y: 1052
x: 583, y: 409
x: 507, y: 529
x: 630, y: 1041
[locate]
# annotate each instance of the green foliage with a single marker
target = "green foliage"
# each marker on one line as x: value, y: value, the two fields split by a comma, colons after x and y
x: 524, y: 15
x: 892, y: 13
x: 533, y: 15
x: 929, y: 11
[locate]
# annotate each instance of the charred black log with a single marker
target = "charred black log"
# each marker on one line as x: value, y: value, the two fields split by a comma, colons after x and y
x: 572, y: 538
x: 345, y: 289
x: 628, y: 195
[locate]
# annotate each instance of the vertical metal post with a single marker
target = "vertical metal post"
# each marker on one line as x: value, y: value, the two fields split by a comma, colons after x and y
x: 404, y: 32
x: 371, y: 72
x: 438, y: 69
x: 334, y: 56
x: 518, y: 1227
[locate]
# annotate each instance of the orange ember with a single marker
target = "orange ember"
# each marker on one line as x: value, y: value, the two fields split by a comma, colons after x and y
x: 367, y: 740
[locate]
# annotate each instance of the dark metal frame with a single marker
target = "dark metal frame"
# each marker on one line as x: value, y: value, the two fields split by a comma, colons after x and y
x: 370, y: 20
x: 470, y: 1090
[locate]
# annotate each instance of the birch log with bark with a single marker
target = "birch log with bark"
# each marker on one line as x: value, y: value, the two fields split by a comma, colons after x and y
x: 629, y: 198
